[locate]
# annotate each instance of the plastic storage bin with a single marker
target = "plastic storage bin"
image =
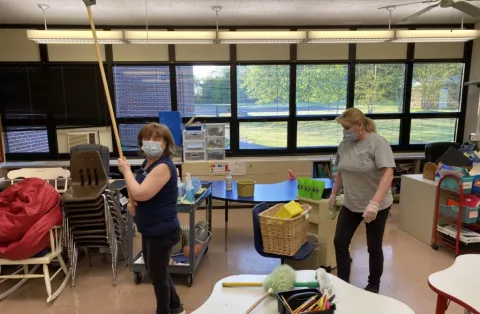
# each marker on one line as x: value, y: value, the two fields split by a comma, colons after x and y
x: 245, y: 188
x: 193, y: 146
x: 215, y: 154
x: 295, y: 298
x: 452, y: 185
x: 216, y: 129
x: 216, y: 142
x: 194, y: 156
x: 469, y: 214
x: 476, y: 185
x: 197, y: 136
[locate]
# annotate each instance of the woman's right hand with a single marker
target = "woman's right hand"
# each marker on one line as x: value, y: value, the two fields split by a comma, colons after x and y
x: 332, y: 200
x: 131, y: 205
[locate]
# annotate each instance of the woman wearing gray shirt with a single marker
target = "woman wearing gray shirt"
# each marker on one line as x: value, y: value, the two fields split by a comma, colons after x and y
x: 365, y: 162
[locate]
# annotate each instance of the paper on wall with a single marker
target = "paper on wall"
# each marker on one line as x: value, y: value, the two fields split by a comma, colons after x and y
x: 237, y: 168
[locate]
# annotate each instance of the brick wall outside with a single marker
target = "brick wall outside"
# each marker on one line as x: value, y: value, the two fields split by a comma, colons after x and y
x: 31, y: 141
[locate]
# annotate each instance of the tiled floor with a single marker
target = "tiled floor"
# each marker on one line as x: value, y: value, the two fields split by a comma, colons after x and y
x: 408, y: 262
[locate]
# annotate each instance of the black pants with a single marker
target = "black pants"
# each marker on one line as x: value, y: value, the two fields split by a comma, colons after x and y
x: 347, y: 224
x: 156, y: 254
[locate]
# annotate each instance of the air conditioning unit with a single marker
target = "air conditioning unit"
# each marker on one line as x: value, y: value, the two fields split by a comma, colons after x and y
x: 82, y: 138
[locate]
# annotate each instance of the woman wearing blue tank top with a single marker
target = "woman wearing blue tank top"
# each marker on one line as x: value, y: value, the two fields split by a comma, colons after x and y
x: 365, y: 162
x: 154, y: 191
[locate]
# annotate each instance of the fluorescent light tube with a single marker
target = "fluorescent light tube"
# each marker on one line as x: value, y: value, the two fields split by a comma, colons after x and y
x: 262, y: 37
x: 436, y: 35
x: 74, y: 37
x: 373, y: 36
x: 167, y: 37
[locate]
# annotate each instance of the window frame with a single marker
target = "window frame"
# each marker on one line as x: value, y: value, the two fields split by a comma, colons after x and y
x: 405, y: 117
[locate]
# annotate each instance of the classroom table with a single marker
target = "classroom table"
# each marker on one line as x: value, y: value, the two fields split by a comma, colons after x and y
x: 281, y: 192
x: 459, y: 283
x: 350, y: 298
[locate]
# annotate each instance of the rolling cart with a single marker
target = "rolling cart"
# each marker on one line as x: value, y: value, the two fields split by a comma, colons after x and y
x: 455, y: 227
x: 137, y: 265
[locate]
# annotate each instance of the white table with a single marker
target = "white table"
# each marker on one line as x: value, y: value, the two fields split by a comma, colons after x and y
x: 350, y: 298
x: 459, y: 283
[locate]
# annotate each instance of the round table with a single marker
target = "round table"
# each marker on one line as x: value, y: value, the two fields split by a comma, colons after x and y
x: 350, y: 298
x: 281, y: 192
x: 459, y: 283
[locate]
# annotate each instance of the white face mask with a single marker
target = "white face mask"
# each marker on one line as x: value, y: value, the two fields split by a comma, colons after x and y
x: 152, y: 149
x: 350, y: 135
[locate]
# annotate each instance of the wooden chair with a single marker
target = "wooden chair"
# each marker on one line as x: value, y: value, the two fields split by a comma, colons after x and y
x: 57, y: 242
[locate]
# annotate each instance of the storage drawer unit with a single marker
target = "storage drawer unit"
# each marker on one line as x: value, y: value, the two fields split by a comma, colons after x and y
x: 215, y: 154
x: 193, y: 146
x: 193, y: 156
x: 196, y: 136
x: 216, y: 142
x: 215, y: 129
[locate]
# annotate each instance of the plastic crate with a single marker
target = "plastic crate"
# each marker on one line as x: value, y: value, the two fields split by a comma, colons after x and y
x: 216, y: 142
x: 469, y: 214
x: 476, y: 185
x: 452, y: 185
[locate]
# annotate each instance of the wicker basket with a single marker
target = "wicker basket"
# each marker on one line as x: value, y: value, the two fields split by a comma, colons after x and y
x: 283, y: 236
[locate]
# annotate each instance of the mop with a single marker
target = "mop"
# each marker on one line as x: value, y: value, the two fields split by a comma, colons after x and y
x: 88, y: 4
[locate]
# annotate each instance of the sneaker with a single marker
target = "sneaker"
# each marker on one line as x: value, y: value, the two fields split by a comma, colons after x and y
x: 178, y: 310
x: 372, y: 288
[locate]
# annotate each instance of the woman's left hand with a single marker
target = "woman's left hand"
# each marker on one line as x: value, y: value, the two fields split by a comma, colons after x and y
x: 370, y: 213
x: 123, y: 166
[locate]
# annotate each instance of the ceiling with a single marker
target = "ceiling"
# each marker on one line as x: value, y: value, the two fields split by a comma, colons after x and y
x: 233, y: 13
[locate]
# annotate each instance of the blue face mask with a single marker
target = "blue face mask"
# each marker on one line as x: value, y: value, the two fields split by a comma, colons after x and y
x: 152, y: 149
x: 350, y: 135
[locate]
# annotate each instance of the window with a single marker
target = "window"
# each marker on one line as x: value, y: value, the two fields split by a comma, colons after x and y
x: 389, y: 129
x: 263, y: 135
x: 318, y: 133
x: 436, y: 87
x: 425, y: 131
x: 321, y: 89
x: 26, y: 140
x: 379, y: 88
x: 203, y: 90
x: 128, y: 135
x: 141, y: 91
x: 263, y: 90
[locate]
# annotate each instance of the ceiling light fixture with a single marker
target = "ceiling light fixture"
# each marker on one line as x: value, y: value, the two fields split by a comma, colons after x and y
x: 74, y: 37
x: 262, y: 37
x: 374, y: 36
x: 167, y: 37
x: 435, y: 35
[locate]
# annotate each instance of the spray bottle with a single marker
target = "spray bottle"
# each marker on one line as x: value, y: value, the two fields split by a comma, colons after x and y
x: 189, y: 190
x: 228, y: 180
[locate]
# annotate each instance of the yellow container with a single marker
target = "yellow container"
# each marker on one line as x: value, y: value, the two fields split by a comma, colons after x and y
x: 245, y: 188
x: 289, y: 210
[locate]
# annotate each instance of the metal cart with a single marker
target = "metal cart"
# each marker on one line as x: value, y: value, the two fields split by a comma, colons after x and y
x: 137, y: 265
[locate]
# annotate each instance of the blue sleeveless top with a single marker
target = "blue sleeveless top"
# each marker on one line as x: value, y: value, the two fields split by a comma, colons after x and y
x: 159, y: 214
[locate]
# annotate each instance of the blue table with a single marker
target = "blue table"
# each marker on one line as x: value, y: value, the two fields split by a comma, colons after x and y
x: 282, y: 192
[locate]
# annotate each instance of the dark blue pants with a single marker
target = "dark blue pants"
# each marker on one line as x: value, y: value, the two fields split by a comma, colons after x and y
x: 156, y: 254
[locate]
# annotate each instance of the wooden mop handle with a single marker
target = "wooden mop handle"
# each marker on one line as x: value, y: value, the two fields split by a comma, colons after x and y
x: 241, y: 284
x: 263, y: 297
x: 104, y: 80
x: 105, y: 86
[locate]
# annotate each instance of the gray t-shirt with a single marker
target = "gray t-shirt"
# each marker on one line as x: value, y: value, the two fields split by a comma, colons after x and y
x: 360, y: 164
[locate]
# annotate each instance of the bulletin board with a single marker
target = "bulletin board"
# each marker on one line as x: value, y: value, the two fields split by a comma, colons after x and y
x: 219, y: 168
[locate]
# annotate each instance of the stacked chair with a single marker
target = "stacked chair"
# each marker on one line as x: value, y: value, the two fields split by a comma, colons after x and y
x: 91, y: 218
